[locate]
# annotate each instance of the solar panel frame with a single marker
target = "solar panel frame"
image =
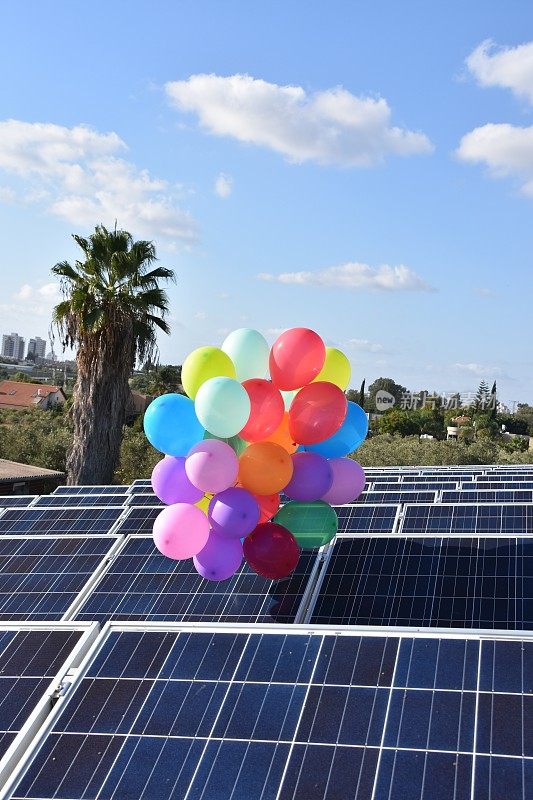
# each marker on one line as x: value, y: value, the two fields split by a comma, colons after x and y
x: 16, y: 756
x: 399, y: 686
x: 480, y: 512
x: 60, y: 519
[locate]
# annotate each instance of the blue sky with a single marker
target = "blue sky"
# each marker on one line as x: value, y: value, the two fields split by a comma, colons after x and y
x: 386, y: 199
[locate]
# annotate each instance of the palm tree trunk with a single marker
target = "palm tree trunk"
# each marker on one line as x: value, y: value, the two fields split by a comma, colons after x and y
x: 99, y: 405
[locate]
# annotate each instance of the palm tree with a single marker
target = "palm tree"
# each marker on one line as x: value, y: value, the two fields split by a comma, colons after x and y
x: 112, y: 308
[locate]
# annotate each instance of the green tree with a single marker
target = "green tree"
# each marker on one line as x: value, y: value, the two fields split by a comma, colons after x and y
x: 112, y: 307
x: 482, y: 399
x: 404, y: 423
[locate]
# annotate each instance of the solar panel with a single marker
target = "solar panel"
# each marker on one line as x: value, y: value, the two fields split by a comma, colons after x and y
x: 141, y: 482
x: 54, y: 521
x: 252, y: 715
x: 70, y: 501
x: 29, y: 659
x: 141, y: 584
x: 439, y: 583
x: 139, y: 519
x: 423, y: 477
x: 500, y: 485
x: 91, y: 490
x: 16, y: 500
x: 41, y: 577
x: 397, y: 497
x: 365, y: 518
x: 421, y: 486
x: 505, y: 476
x: 468, y: 518
x: 488, y: 496
x: 145, y: 489
x: 147, y: 499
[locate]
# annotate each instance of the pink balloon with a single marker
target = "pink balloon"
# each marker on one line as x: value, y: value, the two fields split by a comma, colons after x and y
x: 348, y: 481
x: 212, y: 466
x: 181, y: 531
x: 297, y: 356
x: 219, y: 559
x: 171, y: 484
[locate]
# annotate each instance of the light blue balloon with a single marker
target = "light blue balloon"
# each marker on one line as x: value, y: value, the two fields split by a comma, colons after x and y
x: 222, y: 405
x: 171, y: 424
x: 249, y: 351
x: 348, y: 438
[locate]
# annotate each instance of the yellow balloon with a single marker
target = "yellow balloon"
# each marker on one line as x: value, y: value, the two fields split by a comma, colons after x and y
x: 203, y: 364
x: 336, y: 369
x: 203, y: 503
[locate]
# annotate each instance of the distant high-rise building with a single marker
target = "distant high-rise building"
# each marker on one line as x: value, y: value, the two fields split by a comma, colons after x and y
x: 37, y: 347
x: 13, y: 346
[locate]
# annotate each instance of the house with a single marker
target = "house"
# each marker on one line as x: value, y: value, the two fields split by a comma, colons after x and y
x: 16, y: 394
x: 137, y: 404
x: 18, y: 478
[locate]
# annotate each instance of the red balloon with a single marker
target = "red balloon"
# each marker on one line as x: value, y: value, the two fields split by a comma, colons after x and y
x: 272, y: 551
x: 268, y: 505
x: 266, y: 410
x: 317, y: 412
x: 297, y: 356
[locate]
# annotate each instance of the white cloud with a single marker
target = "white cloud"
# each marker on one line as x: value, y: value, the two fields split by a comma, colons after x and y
x: 223, y: 185
x: 506, y: 67
x: 482, y: 291
x: 24, y: 293
x: 353, y: 275
x: 505, y: 149
x: 364, y: 346
x: 480, y: 370
x: 50, y: 291
x: 328, y: 127
x: 76, y: 174
x: 200, y: 315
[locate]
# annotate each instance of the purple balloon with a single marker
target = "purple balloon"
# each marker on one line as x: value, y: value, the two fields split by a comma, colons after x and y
x: 312, y: 477
x: 220, y: 558
x: 348, y: 481
x: 212, y: 465
x: 233, y: 513
x: 171, y: 484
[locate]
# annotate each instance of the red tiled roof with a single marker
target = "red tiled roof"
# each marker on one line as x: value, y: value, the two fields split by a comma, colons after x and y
x: 16, y: 394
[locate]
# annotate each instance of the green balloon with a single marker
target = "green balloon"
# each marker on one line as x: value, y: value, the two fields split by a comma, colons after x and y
x: 235, y: 442
x: 312, y: 524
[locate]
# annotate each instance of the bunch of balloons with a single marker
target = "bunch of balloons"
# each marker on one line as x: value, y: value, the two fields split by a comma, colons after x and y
x: 240, y: 438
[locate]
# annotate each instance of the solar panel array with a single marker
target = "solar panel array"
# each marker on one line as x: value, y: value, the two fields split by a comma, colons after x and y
x: 264, y: 709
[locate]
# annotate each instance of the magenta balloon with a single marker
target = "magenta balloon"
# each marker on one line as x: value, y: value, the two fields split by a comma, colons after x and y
x: 233, y: 513
x: 219, y: 559
x: 212, y: 465
x: 311, y: 478
x: 180, y: 531
x: 348, y: 481
x: 171, y: 484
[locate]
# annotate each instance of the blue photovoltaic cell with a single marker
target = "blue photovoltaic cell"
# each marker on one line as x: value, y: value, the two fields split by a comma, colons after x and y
x: 142, y: 584
x: 16, y: 500
x: 91, y: 490
x: 258, y: 716
x: 54, y: 521
x: 28, y: 661
x: 472, y: 583
x: 397, y: 497
x: 363, y: 518
x: 501, y: 485
x: 40, y: 578
x: 488, y: 496
x: 146, y: 499
x: 406, y: 479
x: 497, y: 519
x: 70, y: 501
x: 505, y: 476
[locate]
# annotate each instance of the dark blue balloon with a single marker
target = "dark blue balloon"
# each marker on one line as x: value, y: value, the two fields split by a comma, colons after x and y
x: 171, y: 424
x: 348, y: 438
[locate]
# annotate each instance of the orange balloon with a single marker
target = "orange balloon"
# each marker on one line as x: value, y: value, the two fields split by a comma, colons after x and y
x: 282, y: 436
x: 265, y: 468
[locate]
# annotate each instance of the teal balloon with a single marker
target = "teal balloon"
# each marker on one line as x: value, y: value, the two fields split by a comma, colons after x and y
x: 235, y: 442
x: 222, y: 405
x: 348, y: 438
x: 312, y: 524
x: 249, y: 351
x: 171, y: 424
